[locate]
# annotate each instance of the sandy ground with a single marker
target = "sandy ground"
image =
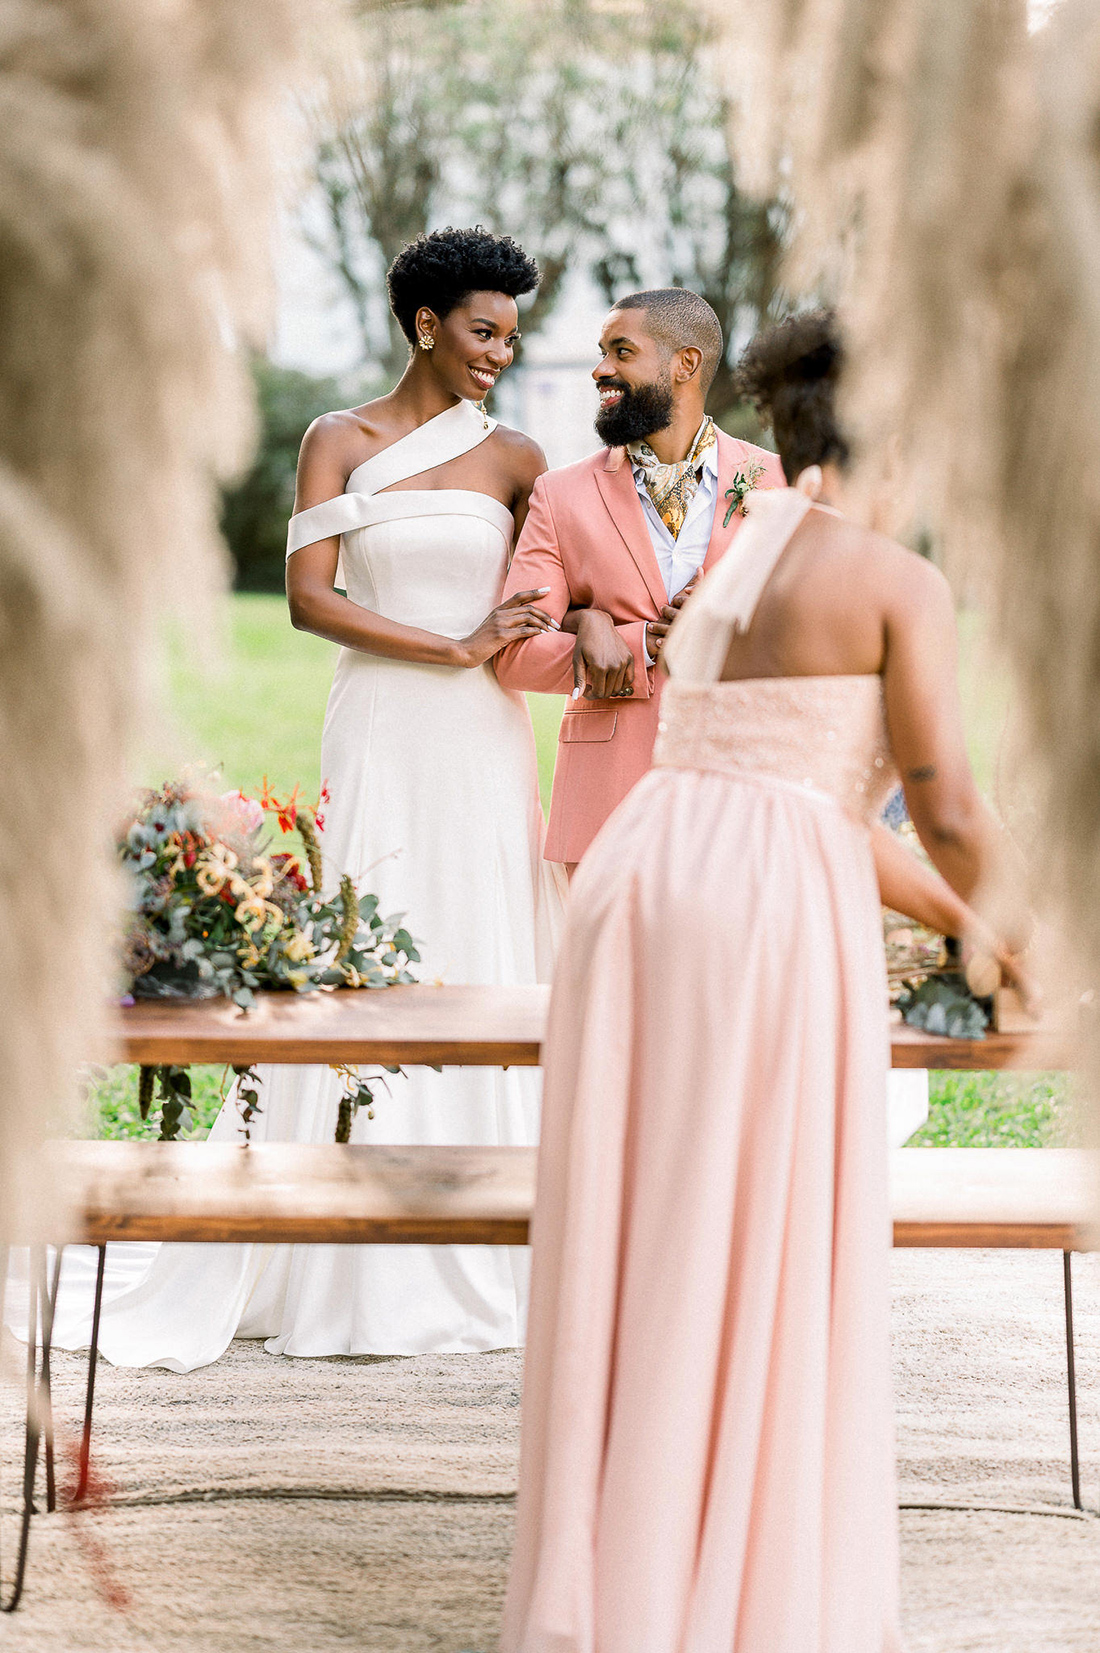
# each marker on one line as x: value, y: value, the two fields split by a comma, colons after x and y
x: 315, y: 1505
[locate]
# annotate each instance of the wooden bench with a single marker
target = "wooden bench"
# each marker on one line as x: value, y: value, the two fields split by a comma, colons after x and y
x: 276, y: 1192
x: 290, y: 1193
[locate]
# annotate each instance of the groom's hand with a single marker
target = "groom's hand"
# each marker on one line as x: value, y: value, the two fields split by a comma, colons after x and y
x: 603, y: 665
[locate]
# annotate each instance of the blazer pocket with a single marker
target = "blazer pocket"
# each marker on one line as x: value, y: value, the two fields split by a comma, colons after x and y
x: 584, y: 724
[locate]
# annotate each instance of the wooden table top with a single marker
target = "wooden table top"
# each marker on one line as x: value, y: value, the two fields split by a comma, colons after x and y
x: 277, y: 1192
x: 469, y: 1026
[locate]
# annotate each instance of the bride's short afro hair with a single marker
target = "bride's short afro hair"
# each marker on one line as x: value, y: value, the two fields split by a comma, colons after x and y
x: 439, y: 270
x: 790, y: 373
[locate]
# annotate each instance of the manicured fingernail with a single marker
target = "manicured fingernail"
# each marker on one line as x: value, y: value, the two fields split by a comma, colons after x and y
x: 575, y: 695
x: 544, y: 591
x: 554, y: 625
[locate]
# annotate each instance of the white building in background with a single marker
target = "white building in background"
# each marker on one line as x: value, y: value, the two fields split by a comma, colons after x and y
x: 551, y: 396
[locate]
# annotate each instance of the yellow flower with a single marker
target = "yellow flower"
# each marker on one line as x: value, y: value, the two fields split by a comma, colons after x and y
x: 251, y: 914
x: 298, y: 948
x: 352, y: 976
x: 263, y: 877
x: 297, y: 978
x: 249, y: 956
x: 213, y: 868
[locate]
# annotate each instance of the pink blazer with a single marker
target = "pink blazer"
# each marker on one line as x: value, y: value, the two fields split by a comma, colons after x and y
x: 586, y: 538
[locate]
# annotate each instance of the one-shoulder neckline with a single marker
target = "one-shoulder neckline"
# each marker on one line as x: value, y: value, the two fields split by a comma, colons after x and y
x: 398, y: 503
x: 415, y: 493
x: 454, y: 432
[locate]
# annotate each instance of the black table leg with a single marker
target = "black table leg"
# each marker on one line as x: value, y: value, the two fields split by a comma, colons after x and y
x: 1071, y: 1376
x: 31, y: 1442
x: 89, y: 1401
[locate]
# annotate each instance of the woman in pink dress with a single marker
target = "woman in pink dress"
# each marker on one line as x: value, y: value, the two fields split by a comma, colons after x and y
x: 707, y: 1458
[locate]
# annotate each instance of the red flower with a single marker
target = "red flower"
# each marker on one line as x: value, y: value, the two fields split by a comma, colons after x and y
x: 189, y: 858
x: 326, y: 795
x: 319, y: 822
x: 289, y: 868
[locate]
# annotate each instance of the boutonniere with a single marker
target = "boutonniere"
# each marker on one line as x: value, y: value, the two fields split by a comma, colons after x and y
x: 743, y: 484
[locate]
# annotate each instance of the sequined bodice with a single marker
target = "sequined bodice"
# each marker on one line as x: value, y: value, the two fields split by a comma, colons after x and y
x: 827, y: 734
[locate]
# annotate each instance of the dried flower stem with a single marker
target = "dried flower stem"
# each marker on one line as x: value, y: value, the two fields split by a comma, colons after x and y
x: 304, y: 821
x: 350, y: 927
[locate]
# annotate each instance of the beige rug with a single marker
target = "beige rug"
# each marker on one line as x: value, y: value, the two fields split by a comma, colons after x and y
x: 315, y: 1505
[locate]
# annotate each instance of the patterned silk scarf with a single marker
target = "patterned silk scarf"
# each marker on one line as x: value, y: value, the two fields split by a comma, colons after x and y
x: 673, y: 487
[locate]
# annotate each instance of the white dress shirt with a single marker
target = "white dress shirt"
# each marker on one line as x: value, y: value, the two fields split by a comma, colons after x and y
x: 679, y: 559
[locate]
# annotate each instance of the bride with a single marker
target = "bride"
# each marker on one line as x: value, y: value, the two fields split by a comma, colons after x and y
x: 410, y: 504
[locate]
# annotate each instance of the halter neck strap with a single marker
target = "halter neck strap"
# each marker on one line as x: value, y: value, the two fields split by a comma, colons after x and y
x: 448, y: 436
x: 726, y: 601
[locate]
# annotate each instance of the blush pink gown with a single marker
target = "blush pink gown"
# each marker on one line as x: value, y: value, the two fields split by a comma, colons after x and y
x: 707, y: 1453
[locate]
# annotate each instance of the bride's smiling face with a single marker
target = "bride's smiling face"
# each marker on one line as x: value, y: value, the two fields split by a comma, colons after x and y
x: 473, y: 343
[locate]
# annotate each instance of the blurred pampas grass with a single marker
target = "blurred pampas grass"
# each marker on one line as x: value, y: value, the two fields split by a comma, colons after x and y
x: 943, y: 164
x: 138, y: 163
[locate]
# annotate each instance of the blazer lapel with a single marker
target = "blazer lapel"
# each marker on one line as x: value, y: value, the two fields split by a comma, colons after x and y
x: 732, y: 457
x: 615, y: 480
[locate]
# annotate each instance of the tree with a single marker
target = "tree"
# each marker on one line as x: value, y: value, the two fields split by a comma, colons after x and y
x: 594, y: 135
x: 675, y: 214
x: 479, y: 111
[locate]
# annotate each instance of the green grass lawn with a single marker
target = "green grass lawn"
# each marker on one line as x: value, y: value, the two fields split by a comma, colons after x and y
x: 261, y: 714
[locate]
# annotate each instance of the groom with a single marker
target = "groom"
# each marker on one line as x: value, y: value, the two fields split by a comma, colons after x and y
x: 619, y: 539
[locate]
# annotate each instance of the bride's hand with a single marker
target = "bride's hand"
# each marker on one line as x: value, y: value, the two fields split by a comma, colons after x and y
x: 507, y: 623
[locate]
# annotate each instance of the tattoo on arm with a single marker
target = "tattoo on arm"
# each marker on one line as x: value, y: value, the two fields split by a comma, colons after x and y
x: 926, y: 772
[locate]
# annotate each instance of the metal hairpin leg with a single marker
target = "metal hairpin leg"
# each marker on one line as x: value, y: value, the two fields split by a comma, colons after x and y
x: 89, y: 1400
x: 41, y: 1303
x: 1071, y: 1376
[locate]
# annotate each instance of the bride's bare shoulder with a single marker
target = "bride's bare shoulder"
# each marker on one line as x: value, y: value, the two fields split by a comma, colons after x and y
x: 345, y: 438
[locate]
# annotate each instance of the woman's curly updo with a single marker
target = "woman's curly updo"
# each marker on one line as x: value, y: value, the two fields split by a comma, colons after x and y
x: 439, y: 270
x: 790, y: 373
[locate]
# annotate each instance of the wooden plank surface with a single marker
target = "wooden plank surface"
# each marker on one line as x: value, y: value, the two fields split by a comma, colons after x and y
x: 471, y: 1026
x: 281, y: 1191
x: 1048, y: 1197
x: 1045, y: 1047
x: 272, y: 1192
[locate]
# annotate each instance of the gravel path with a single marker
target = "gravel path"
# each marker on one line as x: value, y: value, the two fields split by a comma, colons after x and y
x: 316, y: 1505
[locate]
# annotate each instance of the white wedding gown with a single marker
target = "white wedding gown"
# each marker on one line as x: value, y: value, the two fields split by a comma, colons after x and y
x: 434, y: 807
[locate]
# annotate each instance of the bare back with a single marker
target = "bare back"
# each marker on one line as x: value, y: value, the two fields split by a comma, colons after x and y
x: 845, y: 601
x: 824, y: 612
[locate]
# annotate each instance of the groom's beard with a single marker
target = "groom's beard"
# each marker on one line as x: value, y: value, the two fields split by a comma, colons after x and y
x: 639, y: 412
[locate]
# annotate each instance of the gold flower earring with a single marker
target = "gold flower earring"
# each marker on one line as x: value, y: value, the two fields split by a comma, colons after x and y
x: 426, y: 341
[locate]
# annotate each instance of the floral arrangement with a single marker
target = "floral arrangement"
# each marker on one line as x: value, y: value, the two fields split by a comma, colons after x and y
x: 215, y: 912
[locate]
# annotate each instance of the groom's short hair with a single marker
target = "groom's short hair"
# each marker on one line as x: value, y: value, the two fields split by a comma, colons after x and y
x: 677, y: 317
